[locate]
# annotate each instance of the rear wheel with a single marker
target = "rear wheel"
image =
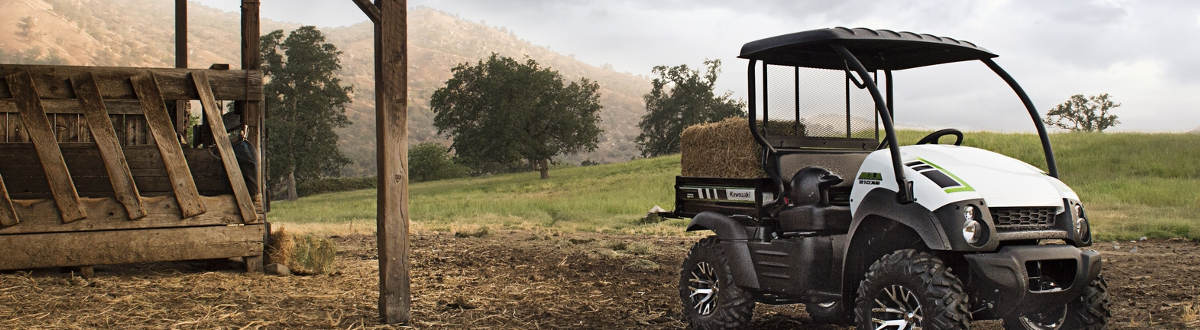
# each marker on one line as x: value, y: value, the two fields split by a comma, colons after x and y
x: 709, y: 296
x: 908, y: 289
x: 1089, y: 311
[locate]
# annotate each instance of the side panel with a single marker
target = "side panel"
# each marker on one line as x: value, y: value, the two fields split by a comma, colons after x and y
x: 694, y: 195
x: 793, y: 267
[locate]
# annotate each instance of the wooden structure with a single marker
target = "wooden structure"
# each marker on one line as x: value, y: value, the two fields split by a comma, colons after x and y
x: 93, y: 170
x: 113, y: 184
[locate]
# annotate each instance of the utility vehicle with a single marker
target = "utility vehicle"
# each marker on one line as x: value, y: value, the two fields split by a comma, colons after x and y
x: 865, y: 231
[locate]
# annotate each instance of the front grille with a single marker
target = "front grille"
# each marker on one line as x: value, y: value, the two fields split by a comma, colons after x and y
x: 1023, y: 218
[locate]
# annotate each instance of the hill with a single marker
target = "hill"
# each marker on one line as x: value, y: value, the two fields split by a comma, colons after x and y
x: 141, y: 33
x: 1133, y: 185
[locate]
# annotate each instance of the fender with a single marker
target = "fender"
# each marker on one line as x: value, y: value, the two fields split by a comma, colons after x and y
x: 884, y: 203
x: 733, y: 237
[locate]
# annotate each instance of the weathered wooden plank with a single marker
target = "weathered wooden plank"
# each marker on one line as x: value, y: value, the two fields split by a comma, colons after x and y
x: 158, y: 121
x: 391, y: 125
x: 56, y: 106
x: 8, y: 215
x: 174, y: 83
x: 213, y: 114
x: 129, y: 246
x: 106, y: 213
x: 117, y: 168
x: 38, y: 126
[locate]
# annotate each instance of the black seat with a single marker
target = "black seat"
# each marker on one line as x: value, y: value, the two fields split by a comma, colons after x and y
x: 810, y: 209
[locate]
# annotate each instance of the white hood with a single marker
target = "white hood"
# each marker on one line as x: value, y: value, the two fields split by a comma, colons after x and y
x: 973, y: 173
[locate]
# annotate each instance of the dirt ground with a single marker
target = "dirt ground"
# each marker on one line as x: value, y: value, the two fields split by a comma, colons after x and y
x: 503, y: 280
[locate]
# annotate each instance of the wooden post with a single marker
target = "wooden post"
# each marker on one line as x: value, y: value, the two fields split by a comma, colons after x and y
x: 181, y: 61
x: 391, y: 124
x: 252, y: 114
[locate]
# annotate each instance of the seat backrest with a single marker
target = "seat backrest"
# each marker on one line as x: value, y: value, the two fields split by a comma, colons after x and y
x: 841, y: 163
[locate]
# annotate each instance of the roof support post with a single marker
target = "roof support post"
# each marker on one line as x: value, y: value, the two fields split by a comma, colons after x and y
x: 179, y: 113
x: 391, y: 125
x: 881, y: 106
x: 1051, y: 164
x: 252, y: 110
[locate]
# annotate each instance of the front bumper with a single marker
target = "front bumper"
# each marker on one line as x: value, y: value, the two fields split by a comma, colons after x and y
x: 1023, y: 279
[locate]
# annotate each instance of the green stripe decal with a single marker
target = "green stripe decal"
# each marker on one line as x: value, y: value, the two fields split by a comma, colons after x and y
x: 965, y: 186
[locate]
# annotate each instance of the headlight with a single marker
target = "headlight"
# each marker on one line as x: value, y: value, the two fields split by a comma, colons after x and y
x: 1082, y: 228
x: 972, y: 230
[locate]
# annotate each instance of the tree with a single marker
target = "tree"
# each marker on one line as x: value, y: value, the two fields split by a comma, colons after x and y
x: 306, y: 102
x: 502, y: 113
x: 1084, y: 114
x: 431, y: 161
x: 682, y: 97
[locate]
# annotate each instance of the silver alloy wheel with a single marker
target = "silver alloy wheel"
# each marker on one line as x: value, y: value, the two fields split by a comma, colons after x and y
x: 704, y: 287
x: 1050, y: 320
x: 896, y: 307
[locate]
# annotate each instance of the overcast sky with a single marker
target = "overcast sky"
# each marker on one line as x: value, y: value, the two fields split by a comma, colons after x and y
x: 1144, y: 53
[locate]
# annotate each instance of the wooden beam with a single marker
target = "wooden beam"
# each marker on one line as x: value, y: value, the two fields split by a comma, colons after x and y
x: 124, y: 187
x: 367, y: 8
x: 174, y: 84
x: 159, y: 123
x: 42, y: 134
x: 221, y: 138
x: 8, y: 214
x: 391, y: 124
x: 253, y: 115
x: 68, y: 106
x: 129, y: 246
x: 106, y: 213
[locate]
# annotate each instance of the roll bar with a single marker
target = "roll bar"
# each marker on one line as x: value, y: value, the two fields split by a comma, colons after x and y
x: 883, y: 111
x: 1051, y: 164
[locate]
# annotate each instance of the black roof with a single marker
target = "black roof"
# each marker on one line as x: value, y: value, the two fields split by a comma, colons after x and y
x: 877, y: 49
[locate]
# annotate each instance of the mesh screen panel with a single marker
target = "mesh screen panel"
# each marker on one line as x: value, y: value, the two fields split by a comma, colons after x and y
x: 822, y: 103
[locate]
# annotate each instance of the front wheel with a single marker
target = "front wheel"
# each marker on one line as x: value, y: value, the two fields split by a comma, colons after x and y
x: 908, y: 289
x: 1089, y: 311
x: 709, y: 296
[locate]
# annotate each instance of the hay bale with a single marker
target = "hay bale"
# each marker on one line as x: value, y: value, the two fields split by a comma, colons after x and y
x: 725, y: 149
x: 302, y: 254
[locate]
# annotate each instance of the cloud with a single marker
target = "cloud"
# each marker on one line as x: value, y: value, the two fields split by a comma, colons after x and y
x: 1139, y: 51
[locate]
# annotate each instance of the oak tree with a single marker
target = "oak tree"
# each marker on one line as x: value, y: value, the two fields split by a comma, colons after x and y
x: 682, y: 97
x: 306, y: 101
x: 1085, y: 114
x: 502, y: 113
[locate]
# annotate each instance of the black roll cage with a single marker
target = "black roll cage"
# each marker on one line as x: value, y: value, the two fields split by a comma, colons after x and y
x: 884, y: 111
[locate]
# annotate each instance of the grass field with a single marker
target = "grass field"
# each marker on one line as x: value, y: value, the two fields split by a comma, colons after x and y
x: 1133, y: 184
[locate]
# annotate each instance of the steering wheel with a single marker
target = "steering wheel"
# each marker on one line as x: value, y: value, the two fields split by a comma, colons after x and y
x: 933, y: 138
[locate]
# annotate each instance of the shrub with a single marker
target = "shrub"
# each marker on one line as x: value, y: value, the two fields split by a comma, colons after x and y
x: 431, y: 161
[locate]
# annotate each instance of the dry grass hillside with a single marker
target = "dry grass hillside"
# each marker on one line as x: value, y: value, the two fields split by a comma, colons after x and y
x: 141, y: 33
